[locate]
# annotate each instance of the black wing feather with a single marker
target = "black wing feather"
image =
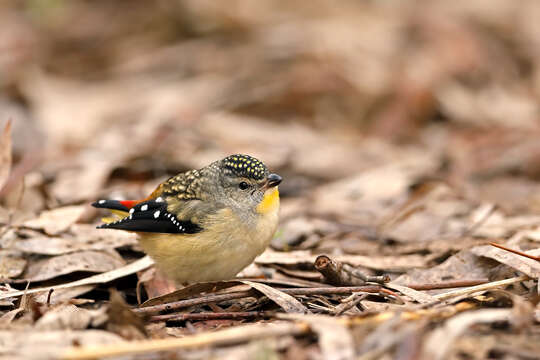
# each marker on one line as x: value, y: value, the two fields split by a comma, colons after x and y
x: 151, y: 216
x: 110, y: 204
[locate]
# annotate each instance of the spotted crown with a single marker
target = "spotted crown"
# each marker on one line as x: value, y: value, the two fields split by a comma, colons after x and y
x: 244, y: 166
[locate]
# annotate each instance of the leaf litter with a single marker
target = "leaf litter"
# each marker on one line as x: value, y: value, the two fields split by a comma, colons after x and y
x: 406, y: 134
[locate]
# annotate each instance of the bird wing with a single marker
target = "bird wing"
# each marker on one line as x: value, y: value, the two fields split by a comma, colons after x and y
x: 175, y: 207
x: 148, y: 216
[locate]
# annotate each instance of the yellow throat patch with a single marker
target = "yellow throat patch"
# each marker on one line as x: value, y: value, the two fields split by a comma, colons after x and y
x: 270, y: 201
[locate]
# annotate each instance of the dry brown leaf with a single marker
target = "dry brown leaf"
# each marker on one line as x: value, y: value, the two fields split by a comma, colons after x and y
x: 87, y: 261
x: 129, y: 269
x: 439, y: 342
x: 285, y: 301
x: 60, y: 296
x: 8, y: 317
x: 155, y: 283
x: 11, y: 265
x: 520, y: 263
x: 418, y: 296
x: 81, y: 237
x: 459, y: 266
x: 335, y: 340
x: 65, y: 317
x: 57, y: 220
x: 122, y: 320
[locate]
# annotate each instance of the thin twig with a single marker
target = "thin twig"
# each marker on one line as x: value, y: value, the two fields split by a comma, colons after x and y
x: 517, y: 252
x: 49, y: 297
x: 448, y: 284
x: 349, y: 303
x: 483, y: 287
x: 240, y: 315
x: 195, y: 301
x: 252, y: 293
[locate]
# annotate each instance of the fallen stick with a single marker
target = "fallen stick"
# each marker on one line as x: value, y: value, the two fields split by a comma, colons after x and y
x: 447, y: 284
x: 339, y: 274
x: 483, y: 287
x: 230, y: 336
x: 240, y: 315
x: 252, y: 293
x: 517, y: 252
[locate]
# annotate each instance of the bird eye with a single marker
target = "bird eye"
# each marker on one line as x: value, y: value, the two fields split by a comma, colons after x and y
x: 243, y: 185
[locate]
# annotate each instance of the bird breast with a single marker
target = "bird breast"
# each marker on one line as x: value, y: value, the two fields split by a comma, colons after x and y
x: 226, y: 245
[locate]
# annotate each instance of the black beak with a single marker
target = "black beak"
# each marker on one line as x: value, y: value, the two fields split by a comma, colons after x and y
x: 273, y: 180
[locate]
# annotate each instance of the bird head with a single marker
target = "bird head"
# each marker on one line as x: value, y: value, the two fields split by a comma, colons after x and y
x: 244, y: 182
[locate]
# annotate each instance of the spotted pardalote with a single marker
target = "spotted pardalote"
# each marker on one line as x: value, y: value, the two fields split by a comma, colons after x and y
x: 205, y: 224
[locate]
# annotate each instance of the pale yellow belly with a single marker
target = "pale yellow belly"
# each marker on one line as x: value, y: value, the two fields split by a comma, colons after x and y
x: 219, y: 252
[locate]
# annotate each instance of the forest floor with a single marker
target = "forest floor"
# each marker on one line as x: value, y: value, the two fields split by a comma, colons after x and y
x: 406, y: 135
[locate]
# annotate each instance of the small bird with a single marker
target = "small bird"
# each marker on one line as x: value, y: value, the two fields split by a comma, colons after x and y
x: 206, y: 224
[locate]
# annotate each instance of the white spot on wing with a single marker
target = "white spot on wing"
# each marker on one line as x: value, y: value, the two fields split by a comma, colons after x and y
x: 144, y: 207
x: 156, y: 214
x: 101, y: 201
x: 131, y: 211
x: 159, y: 199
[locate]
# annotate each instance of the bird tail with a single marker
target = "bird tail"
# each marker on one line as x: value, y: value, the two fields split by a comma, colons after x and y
x: 118, y: 208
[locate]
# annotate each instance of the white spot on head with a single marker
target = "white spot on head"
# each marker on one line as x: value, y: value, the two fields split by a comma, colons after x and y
x: 156, y: 214
x: 144, y: 207
x: 159, y: 199
x: 132, y: 210
x: 101, y: 201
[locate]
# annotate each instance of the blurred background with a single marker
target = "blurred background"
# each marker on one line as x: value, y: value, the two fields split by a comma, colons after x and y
x: 109, y: 98
x: 407, y: 134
